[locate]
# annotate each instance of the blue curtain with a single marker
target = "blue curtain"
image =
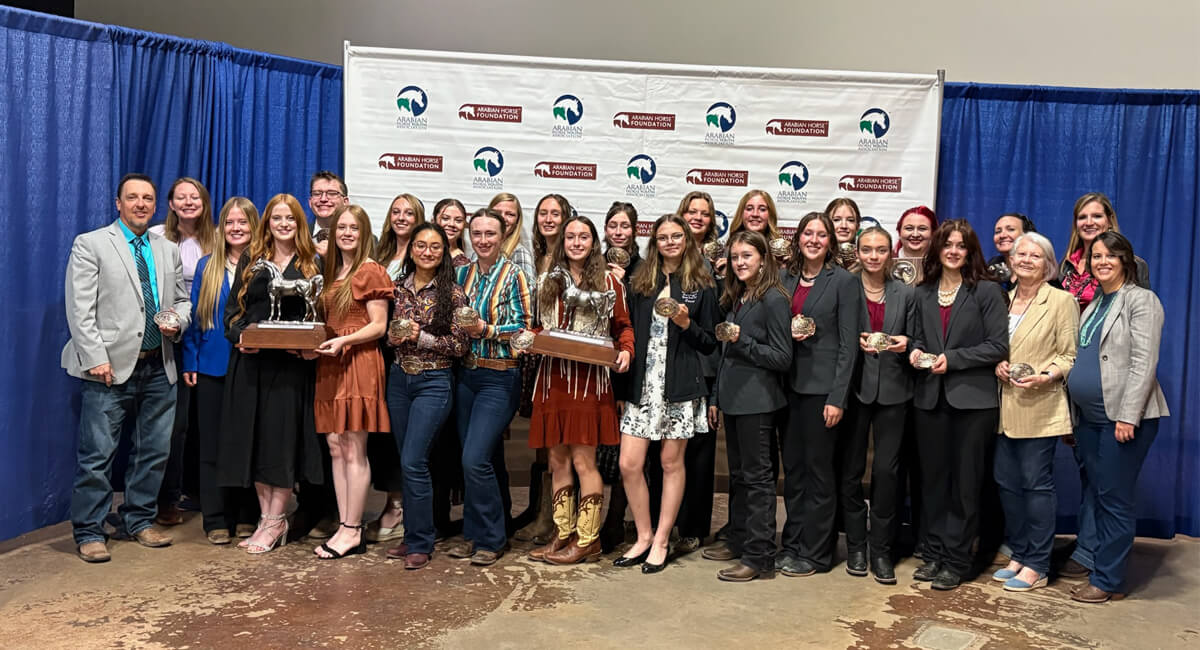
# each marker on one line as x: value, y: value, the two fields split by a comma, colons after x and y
x: 81, y: 105
x: 1036, y: 150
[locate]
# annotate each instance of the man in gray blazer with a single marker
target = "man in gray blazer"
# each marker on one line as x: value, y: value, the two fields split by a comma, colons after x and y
x: 118, y: 278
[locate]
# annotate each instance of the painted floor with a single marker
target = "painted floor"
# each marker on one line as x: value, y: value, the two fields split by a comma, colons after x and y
x: 194, y: 595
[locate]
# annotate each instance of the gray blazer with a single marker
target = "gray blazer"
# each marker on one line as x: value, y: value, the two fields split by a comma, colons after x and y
x: 887, y: 379
x: 750, y: 376
x: 105, y: 310
x: 1129, y: 355
x: 976, y: 339
x: 823, y: 364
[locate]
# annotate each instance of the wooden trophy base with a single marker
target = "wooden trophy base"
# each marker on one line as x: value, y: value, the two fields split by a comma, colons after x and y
x: 284, y: 335
x: 575, y: 347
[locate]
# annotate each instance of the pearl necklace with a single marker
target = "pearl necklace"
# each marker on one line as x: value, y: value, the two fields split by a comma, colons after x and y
x: 947, y: 297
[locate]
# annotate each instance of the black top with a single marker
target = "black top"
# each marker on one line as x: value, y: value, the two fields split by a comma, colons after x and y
x: 750, y: 377
x: 686, y: 348
x: 823, y: 364
x: 887, y: 379
x: 976, y: 339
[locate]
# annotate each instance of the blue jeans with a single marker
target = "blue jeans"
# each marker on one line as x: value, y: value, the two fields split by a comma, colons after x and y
x: 1112, y: 469
x: 150, y: 399
x: 1024, y: 472
x: 418, y: 406
x: 484, y: 404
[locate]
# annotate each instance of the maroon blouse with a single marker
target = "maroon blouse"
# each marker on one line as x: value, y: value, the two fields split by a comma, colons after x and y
x: 876, y: 311
x: 799, y: 297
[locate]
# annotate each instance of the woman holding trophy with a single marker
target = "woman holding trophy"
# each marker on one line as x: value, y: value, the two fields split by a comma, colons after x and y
x: 844, y: 214
x: 573, y: 405
x: 350, y: 401
x: 268, y: 436
x: 673, y: 305
x: 427, y: 341
x: 749, y: 391
x: 488, y: 382
x: 824, y: 315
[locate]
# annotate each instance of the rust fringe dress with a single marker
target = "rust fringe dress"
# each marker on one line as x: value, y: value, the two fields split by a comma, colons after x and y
x: 573, y: 402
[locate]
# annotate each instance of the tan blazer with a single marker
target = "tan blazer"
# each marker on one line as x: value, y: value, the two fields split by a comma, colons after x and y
x: 1046, y: 336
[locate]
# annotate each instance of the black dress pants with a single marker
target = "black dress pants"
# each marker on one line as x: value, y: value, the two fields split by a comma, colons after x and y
x: 752, y: 504
x: 887, y: 422
x: 954, y: 447
x: 810, y: 482
x: 220, y: 507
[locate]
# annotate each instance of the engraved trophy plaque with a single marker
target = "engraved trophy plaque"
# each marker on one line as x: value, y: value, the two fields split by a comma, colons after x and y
x: 803, y: 326
x: 878, y: 341
x: 1019, y: 371
x: 780, y: 247
x: 926, y: 360
x: 617, y: 255
x: 727, y: 331
x: 904, y: 271
x: 666, y: 307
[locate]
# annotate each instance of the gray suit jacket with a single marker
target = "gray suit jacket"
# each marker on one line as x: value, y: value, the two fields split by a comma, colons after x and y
x: 750, y: 376
x: 887, y: 379
x: 1129, y: 356
x: 976, y: 339
x: 105, y: 311
x: 823, y: 364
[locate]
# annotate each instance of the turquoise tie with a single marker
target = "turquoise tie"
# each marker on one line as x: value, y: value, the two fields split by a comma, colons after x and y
x: 152, y: 337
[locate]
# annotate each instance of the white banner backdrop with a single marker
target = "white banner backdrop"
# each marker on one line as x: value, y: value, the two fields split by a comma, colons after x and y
x: 442, y: 124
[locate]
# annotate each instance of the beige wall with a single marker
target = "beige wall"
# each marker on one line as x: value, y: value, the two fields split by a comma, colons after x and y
x: 1102, y: 43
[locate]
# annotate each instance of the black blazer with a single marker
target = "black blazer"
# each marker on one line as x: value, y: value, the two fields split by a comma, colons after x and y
x: 887, y: 379
x: 823, y: 364
x: 976, y: 340
x: 685, y: 347
x: 750, y: 377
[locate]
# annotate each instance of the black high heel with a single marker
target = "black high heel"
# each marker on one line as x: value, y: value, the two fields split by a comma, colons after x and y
x: 632, y: 561
x: 360, y: 549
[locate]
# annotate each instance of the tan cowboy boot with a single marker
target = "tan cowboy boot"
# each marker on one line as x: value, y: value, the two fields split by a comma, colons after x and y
x: 585, y: 547
x: 563, y: 521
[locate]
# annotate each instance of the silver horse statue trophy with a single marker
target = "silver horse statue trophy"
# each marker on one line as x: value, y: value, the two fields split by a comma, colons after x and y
x: 307, y: 288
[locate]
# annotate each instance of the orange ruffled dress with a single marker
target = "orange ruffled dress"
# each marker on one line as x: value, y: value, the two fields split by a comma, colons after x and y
x: 351, y: 388
x: 573, y: 402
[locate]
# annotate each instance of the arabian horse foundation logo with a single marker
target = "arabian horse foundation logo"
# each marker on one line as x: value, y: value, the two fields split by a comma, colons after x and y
x: 568, y: 114
x: 718, y: 123
x: 640, y: 170
x: 412, y: 101
x: 487, y: 163
x: 793, y: 176
x: 873, y: 126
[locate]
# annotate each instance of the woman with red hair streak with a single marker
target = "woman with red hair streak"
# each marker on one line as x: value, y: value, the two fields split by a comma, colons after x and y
x: 915, y: 231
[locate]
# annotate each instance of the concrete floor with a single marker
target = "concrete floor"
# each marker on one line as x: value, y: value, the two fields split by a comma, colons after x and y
x: 193, y: 595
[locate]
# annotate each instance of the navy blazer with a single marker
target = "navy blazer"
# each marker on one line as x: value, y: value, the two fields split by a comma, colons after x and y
x: 976, y: 339
x: 207, y: 351
x: 686, y: 348
x: 823, y: 364
x: 887, y: 379
x: 749, y: 378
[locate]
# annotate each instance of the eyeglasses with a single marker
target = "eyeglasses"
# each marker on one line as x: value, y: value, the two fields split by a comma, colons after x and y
x: 329, y: 194
x: 422, y: 246
x: 673, y: 237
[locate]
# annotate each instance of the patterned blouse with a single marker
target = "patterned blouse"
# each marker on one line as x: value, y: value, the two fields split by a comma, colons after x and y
x: 502, y: 296
x: 419, y: 306
x: 1078, y: 283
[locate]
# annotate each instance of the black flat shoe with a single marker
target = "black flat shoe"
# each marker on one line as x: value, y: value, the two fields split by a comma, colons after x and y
x: 946, y: 580
x: 654, y: 568
x: 928, y: 571
x: 632, y: 561
x: 856, y: 563
x: 885, y: 573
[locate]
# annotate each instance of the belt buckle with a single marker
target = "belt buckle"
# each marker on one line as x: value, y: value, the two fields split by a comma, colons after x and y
x: 411, y: 366
x: 470, y: 362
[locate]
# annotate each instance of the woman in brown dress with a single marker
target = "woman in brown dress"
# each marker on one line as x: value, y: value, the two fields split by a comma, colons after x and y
x: 349, y: 396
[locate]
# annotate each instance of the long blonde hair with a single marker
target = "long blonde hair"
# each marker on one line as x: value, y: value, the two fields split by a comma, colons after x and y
x: 262, y: 247
x: 514, y: 236
x: 344, y: 295
x: 693, y: 273
x: 739, y: 223
x: 206, y: 233
x: 1076, y: 242
x: 214, y: 273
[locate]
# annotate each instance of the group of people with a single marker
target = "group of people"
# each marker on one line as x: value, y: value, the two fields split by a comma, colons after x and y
x: 963, y: 372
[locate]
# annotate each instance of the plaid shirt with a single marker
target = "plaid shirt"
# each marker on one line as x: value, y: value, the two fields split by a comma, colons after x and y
x: 502, y: 298
x: 419, y: 306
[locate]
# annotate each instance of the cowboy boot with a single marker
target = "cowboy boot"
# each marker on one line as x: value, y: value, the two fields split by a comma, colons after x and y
x: 541, y: 529
x: 585, y: 547
x: 563, y: 524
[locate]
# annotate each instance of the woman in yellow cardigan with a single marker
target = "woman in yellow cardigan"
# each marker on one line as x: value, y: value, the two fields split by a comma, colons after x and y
x: 1043, y: 323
